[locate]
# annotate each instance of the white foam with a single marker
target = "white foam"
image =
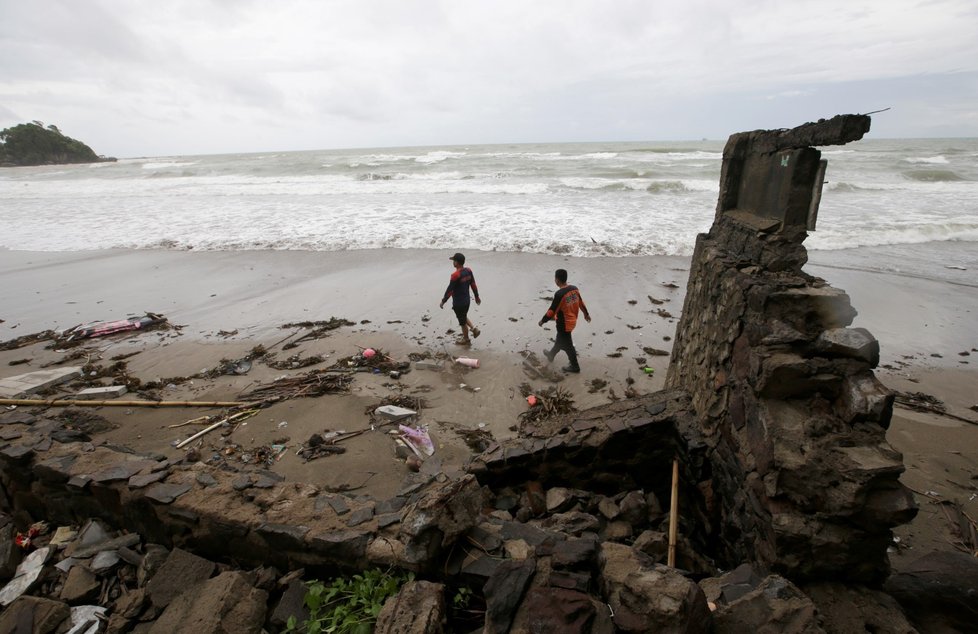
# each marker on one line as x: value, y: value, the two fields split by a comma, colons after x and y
x: 927, y: 160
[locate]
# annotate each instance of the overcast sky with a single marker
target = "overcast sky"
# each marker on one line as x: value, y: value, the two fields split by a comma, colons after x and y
x: 143, y: 78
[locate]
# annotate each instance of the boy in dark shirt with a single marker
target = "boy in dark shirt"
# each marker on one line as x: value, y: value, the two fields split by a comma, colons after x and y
x: 458, y: 289
x: 564, y: 308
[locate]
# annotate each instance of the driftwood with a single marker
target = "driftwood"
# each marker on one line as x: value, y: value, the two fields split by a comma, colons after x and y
x: 239, y: 416
x: 315, y: 383
x: 921, y: 402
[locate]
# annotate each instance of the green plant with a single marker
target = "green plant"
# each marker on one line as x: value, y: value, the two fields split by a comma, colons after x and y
x: 348, y: 605
x: 461, y: 599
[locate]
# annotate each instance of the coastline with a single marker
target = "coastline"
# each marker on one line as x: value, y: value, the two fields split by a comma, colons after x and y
x: 392, y: 296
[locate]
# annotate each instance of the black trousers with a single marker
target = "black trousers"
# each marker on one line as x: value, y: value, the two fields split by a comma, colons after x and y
x: 566, y: 343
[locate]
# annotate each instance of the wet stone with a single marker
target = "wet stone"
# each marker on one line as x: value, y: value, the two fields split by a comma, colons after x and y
x: 122, y: 471
x: 140, y: 481
x: 183, y: 514
x: 10, y: 434
x: 181, y: 571
x: 104, y: 561
x: 79, y: 481
x: 391, y: 505
x: 241, y: 482
x: 655, y: 409
x: 18, y: 453
x: 359, y: 516
x: 54, y: 469
x: 69, y: 436
x: 43, y: 445
x: 387, y: 519
x: 283, y: 536
x: 206, y: 480
x: 264, y: 482
x: 335, y: 502
x: 165, y: 493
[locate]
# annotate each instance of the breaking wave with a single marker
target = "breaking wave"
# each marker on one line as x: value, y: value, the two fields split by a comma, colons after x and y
x: 934, y: 176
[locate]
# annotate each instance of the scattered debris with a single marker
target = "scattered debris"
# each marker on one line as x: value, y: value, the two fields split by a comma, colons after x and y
x: 320, y: 445
x: 317, y: 329
x: 655, y: 352
x: 656, y: 301
x: 417, y: 440
x: 552, y: 403
x: 28, y: 340
x: 665, y: 314
x: 311, y: 384
x: 598, y: 384
x: 921, y: 402
x: 296, y: 361
x: 146, y: 322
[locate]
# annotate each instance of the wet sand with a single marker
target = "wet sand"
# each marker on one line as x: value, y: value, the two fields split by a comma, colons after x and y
x: 393, y: 295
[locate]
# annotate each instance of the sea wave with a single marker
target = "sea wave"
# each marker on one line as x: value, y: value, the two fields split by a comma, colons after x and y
x: 934, y: 176
x: 929, y: 160
x: 831, y: 238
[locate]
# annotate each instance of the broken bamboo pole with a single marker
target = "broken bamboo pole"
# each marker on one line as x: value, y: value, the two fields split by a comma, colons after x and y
x: 227, y: 420
x: 86, y: 403
x: 673, y: 513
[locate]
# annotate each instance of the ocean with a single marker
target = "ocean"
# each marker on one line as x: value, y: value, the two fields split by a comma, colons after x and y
x: 578, y: 199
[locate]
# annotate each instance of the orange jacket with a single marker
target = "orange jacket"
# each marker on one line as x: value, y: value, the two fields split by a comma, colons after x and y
x: 567, y: 302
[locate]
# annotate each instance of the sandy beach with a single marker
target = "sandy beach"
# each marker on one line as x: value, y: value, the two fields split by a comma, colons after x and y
x: 221, y: 304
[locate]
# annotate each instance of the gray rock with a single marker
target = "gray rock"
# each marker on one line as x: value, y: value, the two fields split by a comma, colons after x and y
x: 418, y: 608
x: 26, y: 577
x: 104, y: 561
x: 938, y: 592
x: 504, y: 591
x: 655, y: 544
x: 33, y: 615
x: 10, y: 553
x: 572, y: 523
x: 361, y: 515
x: 647, y: 597
x: 139, y: 481
x: 166, y: 492
x: 180, y: 572
x: 560, y: 499
x: 153, y: 560
x: 206, y: 480
x: 634, y: 508
x: 121, y: 471
x: 292, y: 603
x: 776, y: 605
x: 853, y: 343
x: 562, y: 610
x: 83, y: 552
x: 226, y: 603
x: 81, y: 586
x: 851, y: 608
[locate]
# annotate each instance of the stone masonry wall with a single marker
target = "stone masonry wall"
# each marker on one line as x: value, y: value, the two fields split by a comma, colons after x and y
x: 791, y: 413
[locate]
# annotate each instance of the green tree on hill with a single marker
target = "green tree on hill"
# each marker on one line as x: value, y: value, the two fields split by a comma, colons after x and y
x: 33, y: 144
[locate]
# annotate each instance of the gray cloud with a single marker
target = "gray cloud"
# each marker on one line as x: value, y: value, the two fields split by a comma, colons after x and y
x: 136, y: 78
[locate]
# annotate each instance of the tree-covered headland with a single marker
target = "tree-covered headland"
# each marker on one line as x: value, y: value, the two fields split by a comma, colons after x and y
x: 33, y: 144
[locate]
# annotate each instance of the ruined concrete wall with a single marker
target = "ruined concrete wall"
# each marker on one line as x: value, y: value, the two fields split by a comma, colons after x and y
x: 793, y: 418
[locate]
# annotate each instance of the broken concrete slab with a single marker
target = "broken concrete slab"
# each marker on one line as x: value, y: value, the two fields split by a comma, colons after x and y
x: 101, y: 393
x: 393, y: 412
x: 23, y: 385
